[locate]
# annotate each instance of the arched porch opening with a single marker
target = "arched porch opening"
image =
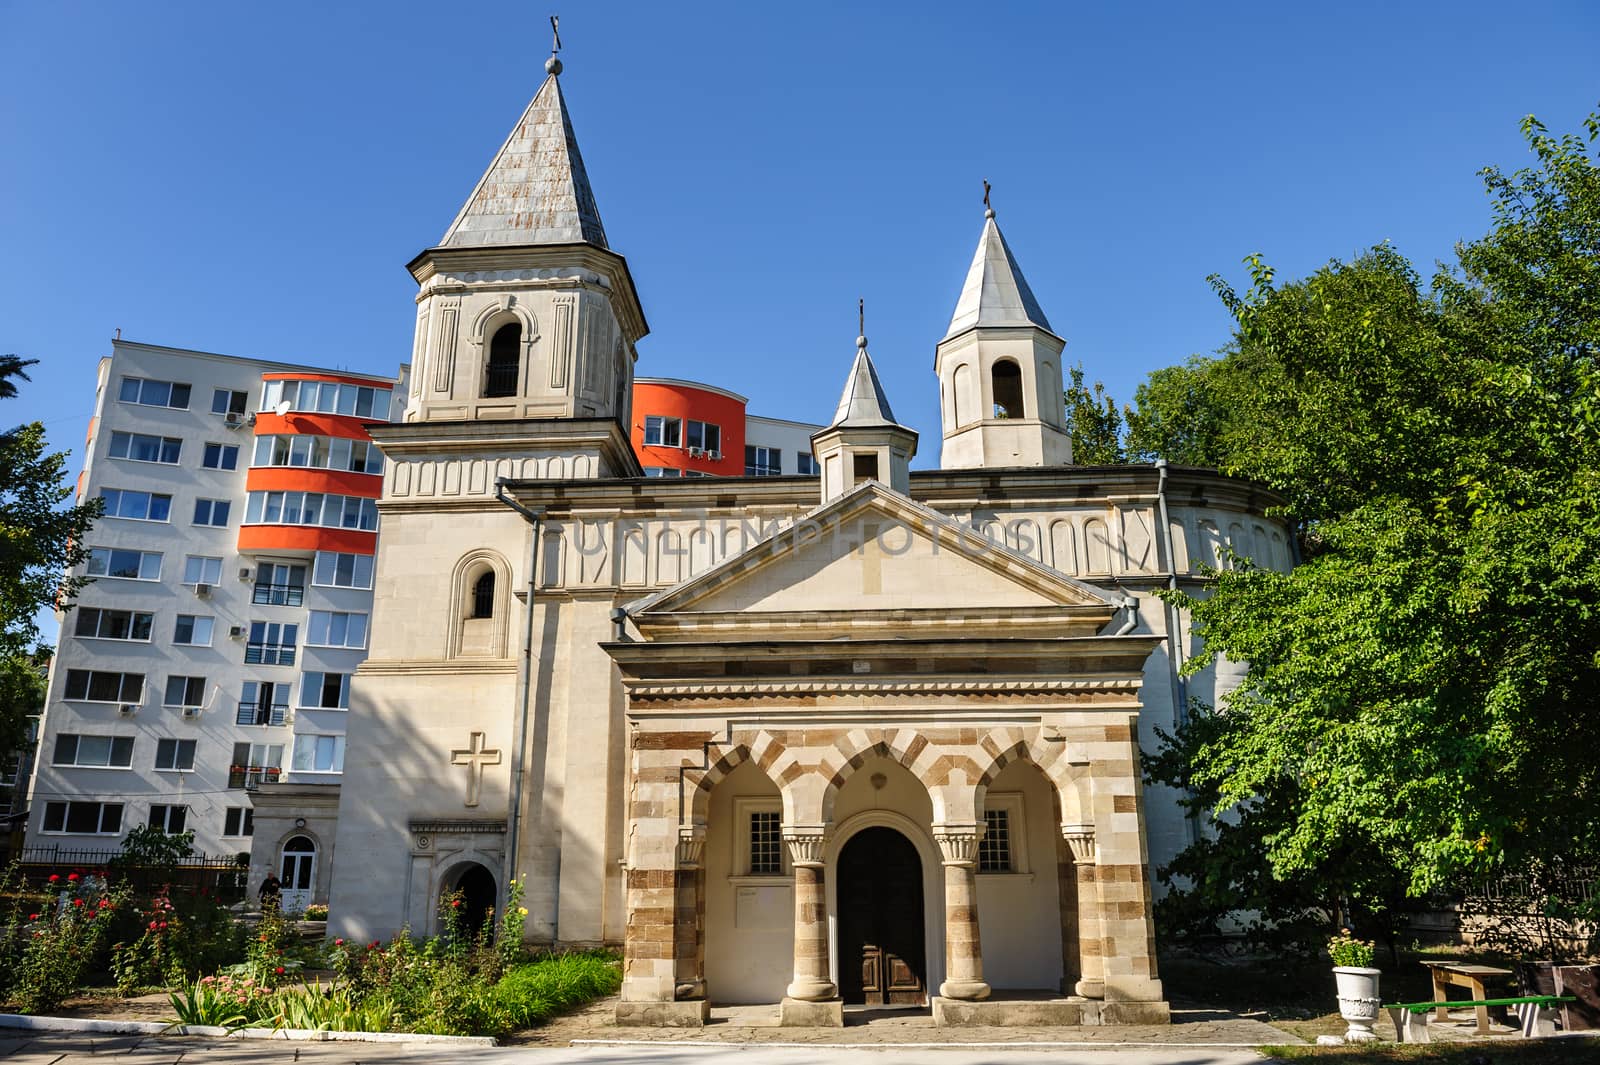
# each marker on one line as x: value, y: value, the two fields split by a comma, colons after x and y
x: 749, y: 890
x: 1026, y: 888
x: 476, y: 885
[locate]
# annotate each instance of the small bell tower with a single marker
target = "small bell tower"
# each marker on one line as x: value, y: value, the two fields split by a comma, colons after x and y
x: 999, y: 367
x: 864, y: 442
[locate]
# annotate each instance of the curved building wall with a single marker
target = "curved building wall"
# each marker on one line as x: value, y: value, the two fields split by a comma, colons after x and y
x: 662, y: 412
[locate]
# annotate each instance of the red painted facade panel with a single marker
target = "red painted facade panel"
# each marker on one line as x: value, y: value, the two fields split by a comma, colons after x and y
x: 687, y: 402
x: 306, y: 538
x: 308, y: 479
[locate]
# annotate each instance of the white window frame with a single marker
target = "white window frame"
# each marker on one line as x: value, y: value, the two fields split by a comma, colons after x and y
x: 166, y: 818
x: 333, y: 569
x: 328, y: 626
x: 66, y: 815
x: 211, y: 506
x: 227, y: 406
x: 663, y: 421
x: 79, y: 737
x: 102, y: 611
x: 122, y: 684
x: 222, y: 450
x: 321, y: 675
x: 245, y: 822
x: 185, y: 677
x: 202, y: 559
x: 128, y: 438
x: 1017, y: 824
x: 149, y: 498
x: 196, y: 620
x: 743, y: 807
x: 177, y: 748
x: 122, y: 386
x: 144, y: 556
x: 338, y: 746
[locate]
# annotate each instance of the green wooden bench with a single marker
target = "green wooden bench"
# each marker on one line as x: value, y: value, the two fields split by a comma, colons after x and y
x: 1535, y: 1012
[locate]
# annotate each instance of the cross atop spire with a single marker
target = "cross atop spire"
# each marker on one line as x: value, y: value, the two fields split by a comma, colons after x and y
x: 553, y: 65
x: 995, y: 292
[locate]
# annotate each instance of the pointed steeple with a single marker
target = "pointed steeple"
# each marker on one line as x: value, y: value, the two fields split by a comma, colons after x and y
x: 536, y: 190
x: 863, y: 401
x: 995, y: 293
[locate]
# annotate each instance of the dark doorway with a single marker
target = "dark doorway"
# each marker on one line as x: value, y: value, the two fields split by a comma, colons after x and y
x: 476, y: 885
x: 881, y: 956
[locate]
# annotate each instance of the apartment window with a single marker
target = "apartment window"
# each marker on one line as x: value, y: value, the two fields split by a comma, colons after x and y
x: 263, y: 703
x: 765, y: 843
x: 254, y: 764
x: 193, y: 630
x: 169, y: 819
x: 93, y: 752
x: 705, y: 436
x: 311, y: 508
x: 94, y: 686
x: 211, y: 512
x: 154, y: 393
x: 175, y: 755
x: 227, y: 401
x: 221, y: 456
x: 98, y: 624
x: 201, y: 569
x: 327, y: 397
x: 318, y: 754
x: 328, y: 628
x: 136, y: 506
x: 141, y: 447
x: 325, y: 691
x: 663, y: 432
x: 762, y: 461
x: 333, y: 453
x: 185, y: 691
x: 83, y: 818
x: 239, y: 821
x: 279, y: 584
x: 662, y: 471
x: 805, y: 464
x: 338, y: 570
x: 271, y: 644
x: 124, y: 564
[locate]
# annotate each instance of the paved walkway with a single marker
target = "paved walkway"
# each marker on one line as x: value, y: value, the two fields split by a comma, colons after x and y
x: 82, y: 1050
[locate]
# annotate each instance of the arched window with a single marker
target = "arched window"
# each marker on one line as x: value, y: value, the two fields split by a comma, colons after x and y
x: 1006, y: 378
x: 505, y: 358
x: 483, y: 596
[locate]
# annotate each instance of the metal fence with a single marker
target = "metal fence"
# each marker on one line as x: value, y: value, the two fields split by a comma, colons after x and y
x: 222, y: 875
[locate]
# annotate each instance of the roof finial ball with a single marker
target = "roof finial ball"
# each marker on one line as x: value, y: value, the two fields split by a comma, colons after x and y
x: 553, y: 65
x: 861, y: 325
x: 988, y: 211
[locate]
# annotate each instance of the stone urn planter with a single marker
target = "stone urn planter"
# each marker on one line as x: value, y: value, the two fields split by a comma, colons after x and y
x: 1358, y: 1001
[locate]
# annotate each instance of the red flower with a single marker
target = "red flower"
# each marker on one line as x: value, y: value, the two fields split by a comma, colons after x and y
x: 338, y: 942
x: 163, y: 924
x: 54, y: 877
x: 33, y: 917
x: 373, y: 945
x: 152, y: 926
x: 72, y: 876
x: 455, y: 904
x: 279, y: 970
x: 77, y: 902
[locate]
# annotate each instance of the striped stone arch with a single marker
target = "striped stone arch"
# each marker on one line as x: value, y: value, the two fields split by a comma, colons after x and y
x: 770, y: 756
x: 1071, y: 782
x: 851, y: 751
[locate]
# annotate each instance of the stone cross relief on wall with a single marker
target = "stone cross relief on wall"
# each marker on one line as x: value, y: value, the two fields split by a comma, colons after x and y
x: 474, y: 756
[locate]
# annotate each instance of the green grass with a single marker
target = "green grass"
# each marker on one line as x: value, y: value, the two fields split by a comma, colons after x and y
x: 534, y: 992
x: 1568, y: 1051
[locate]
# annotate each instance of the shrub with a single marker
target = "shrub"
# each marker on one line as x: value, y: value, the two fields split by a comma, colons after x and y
x: 317, y: 911
x: 63, y: 940
x: 1347, y: 950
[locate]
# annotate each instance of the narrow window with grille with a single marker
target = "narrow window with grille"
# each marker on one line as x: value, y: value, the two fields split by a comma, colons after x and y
x: 766, y: 843
x: 994, y: 849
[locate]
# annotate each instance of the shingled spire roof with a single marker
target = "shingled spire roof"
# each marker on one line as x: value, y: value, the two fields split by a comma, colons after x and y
x: 863, y: 401
x: 995, y: 292
x: 535, y: 191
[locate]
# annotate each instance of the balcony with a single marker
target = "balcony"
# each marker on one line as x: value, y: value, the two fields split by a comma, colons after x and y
x: 279, y: 595
x: 269, y: 654
x: 251, y: 777
x: 262, y: 714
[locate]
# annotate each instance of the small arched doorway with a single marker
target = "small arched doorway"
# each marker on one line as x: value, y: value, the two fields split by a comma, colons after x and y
x: 477, y: 888
x: 299, y: 873
x: 882, y: 958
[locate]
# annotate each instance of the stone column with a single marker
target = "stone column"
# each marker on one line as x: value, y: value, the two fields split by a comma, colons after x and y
x: 963, y: 951
x: 1091, y: 962
x: 811, y: 983
x: 690, y: 914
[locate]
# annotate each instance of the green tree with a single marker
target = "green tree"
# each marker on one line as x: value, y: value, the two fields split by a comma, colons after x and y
x: 1419, y: 706
x: 39, y: 539
x: 1093, y: 422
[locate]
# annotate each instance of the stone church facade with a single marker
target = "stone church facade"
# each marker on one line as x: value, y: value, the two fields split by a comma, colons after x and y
x: 871, y: 737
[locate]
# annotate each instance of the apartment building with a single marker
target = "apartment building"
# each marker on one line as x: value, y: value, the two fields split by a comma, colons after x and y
x: 690, y: 429
x: 232, y: 576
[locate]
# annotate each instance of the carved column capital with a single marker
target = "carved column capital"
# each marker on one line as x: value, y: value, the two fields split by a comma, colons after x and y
x: 1080, y: 838
x: 691, y: 846
x: 958, y: 842
x: 806, y: 844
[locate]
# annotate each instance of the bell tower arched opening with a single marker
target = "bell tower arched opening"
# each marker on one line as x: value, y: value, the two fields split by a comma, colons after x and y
x: 505, y: 361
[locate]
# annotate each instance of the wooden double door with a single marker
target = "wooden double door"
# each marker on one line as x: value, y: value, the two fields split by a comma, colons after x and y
x: 882, y: 956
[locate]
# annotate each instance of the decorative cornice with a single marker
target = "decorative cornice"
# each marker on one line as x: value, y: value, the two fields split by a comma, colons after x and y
x: 396, y: 667
x: 881, y: 685
x: 806, y: 844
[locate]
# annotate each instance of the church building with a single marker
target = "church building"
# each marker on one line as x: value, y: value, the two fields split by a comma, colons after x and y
x: 871, y: 737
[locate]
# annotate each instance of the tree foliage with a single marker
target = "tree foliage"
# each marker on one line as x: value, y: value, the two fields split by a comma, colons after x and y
x: 1420, y: 705
x: 1094, y: 422
x: 39, y: 538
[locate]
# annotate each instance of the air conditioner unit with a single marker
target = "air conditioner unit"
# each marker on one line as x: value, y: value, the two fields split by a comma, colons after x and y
x: 128, y: 709
x: 235, y: 632
x: 233, y: 419
x: 696, y: 452
x: 247, y: 574
x: 191, y: 711
x: 202, y: 591
x: 714, y: 456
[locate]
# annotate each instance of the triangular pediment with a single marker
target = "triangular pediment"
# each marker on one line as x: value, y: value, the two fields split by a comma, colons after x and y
x: 874, y: 560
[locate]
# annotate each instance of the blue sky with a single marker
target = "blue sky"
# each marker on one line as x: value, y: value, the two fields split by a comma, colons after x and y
x: 251, y: 179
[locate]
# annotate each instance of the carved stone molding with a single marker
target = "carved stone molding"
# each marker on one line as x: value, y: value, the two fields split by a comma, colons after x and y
x: 1080, y: 838
x: 691, y: 846
x: 806, y: 844
x: 877, y: 686
x: 958, y: 843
